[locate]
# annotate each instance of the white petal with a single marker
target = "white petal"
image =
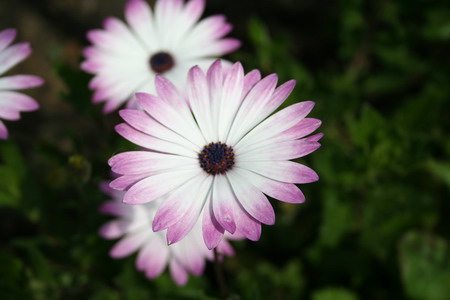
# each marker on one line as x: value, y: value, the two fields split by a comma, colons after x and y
x: 231, y: 99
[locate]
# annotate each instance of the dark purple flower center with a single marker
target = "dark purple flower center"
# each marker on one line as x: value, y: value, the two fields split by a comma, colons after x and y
x: 161, y: 62
x: 216, y: 158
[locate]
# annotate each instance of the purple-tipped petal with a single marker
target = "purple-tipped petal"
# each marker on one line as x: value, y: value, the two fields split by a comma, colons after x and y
x: 301, y: 129
x: 112, y: 208
x: 129, y: 244
x: 212, y: 231
x: 246, y: 225
x: 250, y: 80
x: 153, y: 258
x: 3, y: 131
x: 286, y: 192
x: 254, y: 101
x: 180, y: 229
x: 194, y: 9
x: 285, y: 171
x: 176, y: 205
x: 314, y: 138
x: 222, y: 203
x: 231, y: 99
x: 151, y: 142
x: 125, y: 182
x: 279, y: 151
x: 171, y: 117
x: 275, y: 124
x: 145, y: 162
x: 178, y: 273
x: 6, y: 38
x: 225, y: 248
x: 13, y: 55
x: 252, y: 199
x: 153, y: 187
x: 112, y: 230
x: 17, y: 101
x: 20, y: 82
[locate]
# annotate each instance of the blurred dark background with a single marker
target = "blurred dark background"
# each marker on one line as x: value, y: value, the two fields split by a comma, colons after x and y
x: 376, y: 226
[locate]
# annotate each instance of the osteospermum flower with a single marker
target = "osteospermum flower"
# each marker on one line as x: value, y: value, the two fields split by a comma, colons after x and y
x: 12, y: 102
x: 170, y: 40
x: 133, y: 226
x: 217, y: 151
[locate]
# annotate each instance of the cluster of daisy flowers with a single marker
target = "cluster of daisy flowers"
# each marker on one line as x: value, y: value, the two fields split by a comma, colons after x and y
x: 212, y: 145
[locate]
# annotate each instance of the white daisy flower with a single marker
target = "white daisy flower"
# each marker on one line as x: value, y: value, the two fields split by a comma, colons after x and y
x: 216, y: 153
x: 126, y: 57
x: 133, y: 227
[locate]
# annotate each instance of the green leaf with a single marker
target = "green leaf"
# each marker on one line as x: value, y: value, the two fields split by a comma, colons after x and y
x: 334, y: 294
x: 441, y: 170
x: 261, y: 39
x: 13, y: 284
x: 425, y: 266
x: 269, y: 282
x: 336, y: 219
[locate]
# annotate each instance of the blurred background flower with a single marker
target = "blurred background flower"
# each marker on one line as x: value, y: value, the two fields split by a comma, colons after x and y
x: 376, y: 225
x: 13, y: 103
x: 167, y: 39
x: 133, y: 226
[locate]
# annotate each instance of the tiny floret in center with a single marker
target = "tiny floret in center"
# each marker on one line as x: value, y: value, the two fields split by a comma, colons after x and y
x: 216, y: 158
x: 161, y: 62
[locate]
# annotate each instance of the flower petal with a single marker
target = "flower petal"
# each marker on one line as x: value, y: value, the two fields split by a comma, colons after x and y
x: 3, y: 131
x: 198, y: 95
x: 112, y: 230
x: 178, y: 273
x: 252, y: 199
x: 231, y: 99
x: 125, y: 182
x: 129, y: 244
x: 139, y: 15
x: 151, y: 142
x: 250, y: 79
x: 246, y: 225
x: 171, y: 118
x: 6, y: 38
x: 276, y: 124
x: 153, y: 258
x: 278, y: 151
x: 251, y: 106
x: 20, y: 82
x: 212, y: 231
x: 286, y: 192
x: 222, y: 197
x: 138, y: 162
x: 143, y: 122
x: 17, y: 101
x: 113, y: 208
x: 177, y: 204
x: 285, y: 171
x: 153, y: 187
x: 180, y: 229
x: 13, y: 55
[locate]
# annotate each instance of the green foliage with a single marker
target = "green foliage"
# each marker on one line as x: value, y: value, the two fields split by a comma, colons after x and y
x: 425, y: 264
x: 266, y: 281
x: 334, y: 294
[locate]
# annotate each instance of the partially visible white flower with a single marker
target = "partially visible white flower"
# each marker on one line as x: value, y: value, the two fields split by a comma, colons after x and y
x: 13, y: 103
x: 169, y: 40
x: 133, y: 226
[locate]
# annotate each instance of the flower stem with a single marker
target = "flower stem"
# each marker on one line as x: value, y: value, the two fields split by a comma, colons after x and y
x: 219, y: 275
